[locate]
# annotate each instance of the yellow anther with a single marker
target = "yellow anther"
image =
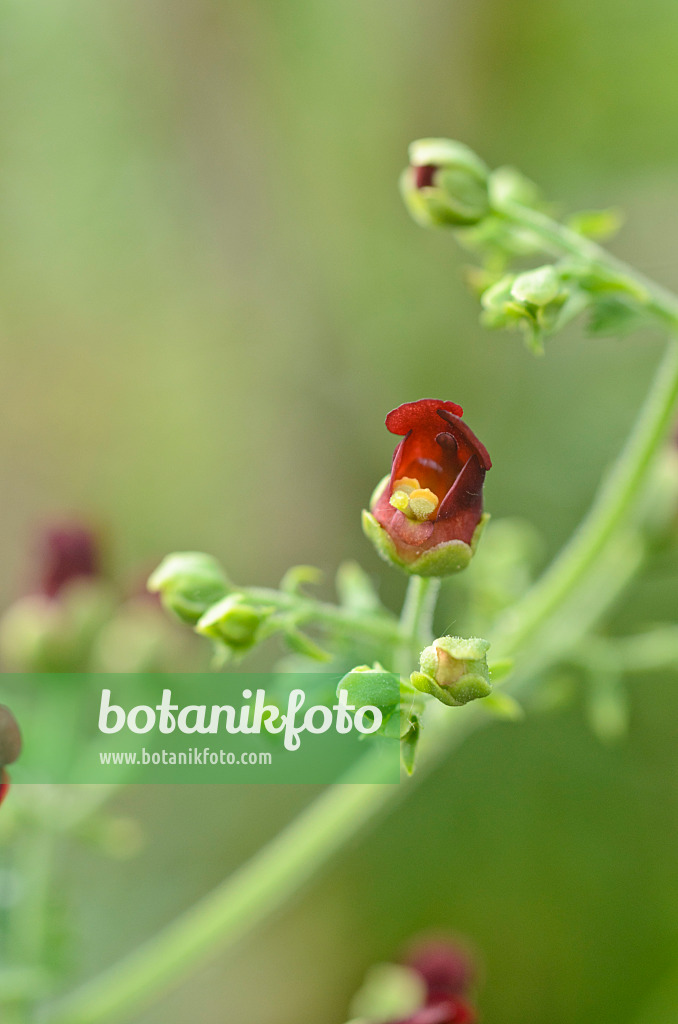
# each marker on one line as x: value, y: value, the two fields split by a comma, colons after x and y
x: 400, y: 500
x: 423, y: 502
x: 406, y: 484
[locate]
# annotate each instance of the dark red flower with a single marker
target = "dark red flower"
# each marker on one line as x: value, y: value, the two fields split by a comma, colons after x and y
x: 446, y: 969
x: 65, y: 553
x: 445, y: 1011
x: 426, y: 517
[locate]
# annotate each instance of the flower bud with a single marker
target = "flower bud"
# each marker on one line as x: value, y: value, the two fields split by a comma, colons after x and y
x: 454, y: 670
x: 445, y: 185
x: 66, y: 552
x: 234, y: 622
x: 189, y: 583
x: 538, y: 287
x: 427, y: 517
x: 372, y: 687
x: 10, y: 737
x: 446, y: 968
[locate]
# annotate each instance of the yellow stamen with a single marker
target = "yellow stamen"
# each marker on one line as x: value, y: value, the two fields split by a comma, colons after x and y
x: 406, y: 484
x: 423, y: 503
x: 400, y: 500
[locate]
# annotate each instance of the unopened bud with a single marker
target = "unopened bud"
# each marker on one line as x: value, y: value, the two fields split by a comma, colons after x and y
x: 189, y: 583
x: 446, y: 184
x: 234, y: 622
x: 538, y: 287
x: 454, y: 670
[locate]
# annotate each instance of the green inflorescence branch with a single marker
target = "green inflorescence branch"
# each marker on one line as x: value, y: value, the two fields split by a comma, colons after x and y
x: 558, y: 610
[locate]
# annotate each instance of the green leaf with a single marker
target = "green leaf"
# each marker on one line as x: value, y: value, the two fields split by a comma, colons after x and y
x: 295, y: 578
x: 598, y: 224
x: 612, y: 317
x: 355, y: 589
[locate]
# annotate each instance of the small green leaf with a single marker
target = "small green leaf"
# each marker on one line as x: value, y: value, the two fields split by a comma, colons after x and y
x: 598, y: 224
x: 299, y: 575
x: 614, y: 317
x: 504, y: 706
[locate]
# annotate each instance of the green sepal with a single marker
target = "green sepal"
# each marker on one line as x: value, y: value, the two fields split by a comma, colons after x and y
x: 408, y: 745
x: 372, y: 686
x: 189, y: 582
x: 442, y: 560
x: 469, y: 687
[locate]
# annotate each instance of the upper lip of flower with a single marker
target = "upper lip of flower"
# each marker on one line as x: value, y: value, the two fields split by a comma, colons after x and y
x: 450, y: 463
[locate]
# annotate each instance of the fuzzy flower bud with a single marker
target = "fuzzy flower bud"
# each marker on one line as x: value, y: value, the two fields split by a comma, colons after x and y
x: 234, y: 623
x: 454, y: 670
x: 445, y: 185
x: 66, y: 552
x: 189, y: 583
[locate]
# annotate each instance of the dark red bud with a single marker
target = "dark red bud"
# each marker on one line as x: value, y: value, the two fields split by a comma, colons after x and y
x: 65, y: 553
x: 446, y: 969
x: 10, y: 737
x: 423, y: 176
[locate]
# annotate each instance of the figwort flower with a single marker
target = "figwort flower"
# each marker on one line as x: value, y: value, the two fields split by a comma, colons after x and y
x: 65, y: 553
x: 427, y: 516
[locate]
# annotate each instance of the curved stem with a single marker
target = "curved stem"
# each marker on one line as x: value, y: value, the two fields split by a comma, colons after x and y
x: 612, y: 505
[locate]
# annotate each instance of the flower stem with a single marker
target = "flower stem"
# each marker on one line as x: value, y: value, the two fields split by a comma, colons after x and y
x: 416, y: 620
x: 614, y: 501
x: 379, y: 626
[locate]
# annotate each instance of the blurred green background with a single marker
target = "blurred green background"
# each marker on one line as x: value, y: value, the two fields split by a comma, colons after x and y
x: 211, y: 295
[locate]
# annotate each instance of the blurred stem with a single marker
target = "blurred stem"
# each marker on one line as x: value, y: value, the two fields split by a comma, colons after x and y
x: 558, y: 241
x: 381, y: 627
x: 416, y: 620
x: 610, y: 510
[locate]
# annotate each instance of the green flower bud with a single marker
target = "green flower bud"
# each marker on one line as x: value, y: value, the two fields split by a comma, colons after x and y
x: 445, y: 185
x: 189, y: 583
x: 234, y: 622
x: 371, y: 686
x: 538, y: 287
x: 454, y: 670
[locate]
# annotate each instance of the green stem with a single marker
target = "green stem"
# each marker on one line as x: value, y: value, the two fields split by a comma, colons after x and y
x: 416, y: 621
x: 381, y: 627
x: 614, y: 502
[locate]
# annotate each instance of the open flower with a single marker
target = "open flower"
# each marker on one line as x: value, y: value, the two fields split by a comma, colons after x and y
x: 427, y: 516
